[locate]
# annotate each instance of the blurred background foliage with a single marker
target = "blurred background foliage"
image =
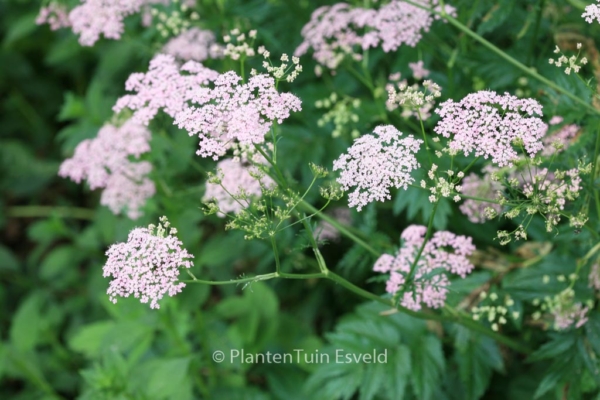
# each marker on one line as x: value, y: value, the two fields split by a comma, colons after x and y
x: 62, y: 338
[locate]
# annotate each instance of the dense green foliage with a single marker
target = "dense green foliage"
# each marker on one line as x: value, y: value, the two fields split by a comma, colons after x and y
x: 61, y: 337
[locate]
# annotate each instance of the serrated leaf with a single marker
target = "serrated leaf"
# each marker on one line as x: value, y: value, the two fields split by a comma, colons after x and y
x: 427, y: 360
x: 372, y: 381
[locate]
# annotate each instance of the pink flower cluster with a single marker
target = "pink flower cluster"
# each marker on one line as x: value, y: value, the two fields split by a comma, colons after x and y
x: 429, y: 283
x: 575, y: 314
x: 489, y: 124
x: 374, y: 163
x: 147, y: 265
x: 194, y: 44
x: 237, y: 186
x: 473, y: 185
x: 228, y: 112
x: 559, y: 140
x: 163, y: 87
x: 105, y: 163
x: 54, y: 14
x: 419, y: 71
x: 336, y: 31
x: 93, y: 18
x: 592, y: 12
x: 233, y: 111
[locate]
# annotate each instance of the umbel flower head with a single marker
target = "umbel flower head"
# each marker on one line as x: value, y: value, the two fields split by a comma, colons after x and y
x: 489, y: 125
x: 104, y: 162
x: 236, y: 184
x: 219, y: 108
x: 375, y: 163
x: 429, y: 281
x: 147, y: 265
x: 334, y: 32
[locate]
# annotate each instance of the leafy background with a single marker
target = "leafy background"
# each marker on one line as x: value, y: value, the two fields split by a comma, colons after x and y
x: 60, y: 337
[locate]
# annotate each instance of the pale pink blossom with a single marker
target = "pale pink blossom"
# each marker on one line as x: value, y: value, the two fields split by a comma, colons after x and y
x: 418, y: 70
x: 592, y: 12
x: 240, y: 184
x: 572, y: 315
x: 147, y: 265
x: 194, y: 44
x: 54, y: 14
x: 429, y: 281
x: 559, y: 140
x: 475, y: 186
x: 341, y: 30
x: 376, y: 163
x: 232, y: 111
x: 105, y: 162
x: 218, y: 108
x: 165, y: 86
x: 94, y: 18
x: 491, y: 125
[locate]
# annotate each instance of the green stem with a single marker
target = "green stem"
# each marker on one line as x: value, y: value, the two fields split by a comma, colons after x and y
x: 424, y: 137
x: 466, y: 322
x: 341, y: 228
x: 276, y: 254
x: 413, y: 267
x: 48, y: 211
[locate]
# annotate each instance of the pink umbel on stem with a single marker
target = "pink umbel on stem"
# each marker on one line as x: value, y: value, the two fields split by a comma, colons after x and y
x: 376, y: 163
x: 218, y: 108
x: 489, y: 125
x: 592, y: 12
x: 337, y: 31
x: 147, y: 265
x: 54, y: 14
x: 164, y: 87
x: 239, y: 183
x: 105, y: 162
x: 429, y: 282
x: 475, y: 186
x: 194, y: 44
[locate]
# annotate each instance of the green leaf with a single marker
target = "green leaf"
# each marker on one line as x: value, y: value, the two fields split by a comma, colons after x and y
x: 477, y: 356
x: 169, y: 379
x: 25, y: 327
x: 73, y: 107
x: 88, y: 340
x: 57, y: 261
x: 427, y: 366
x: 7, y: 260
x: 372, y: 381
x: 20, y: 28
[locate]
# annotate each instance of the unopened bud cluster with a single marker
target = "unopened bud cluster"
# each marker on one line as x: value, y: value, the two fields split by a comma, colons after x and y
x: 285, y: 71
x: 340, y: 113
x: 495, y: 314
x: 573, y: 63
x: 441, y: 186
x: 237, y: 45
